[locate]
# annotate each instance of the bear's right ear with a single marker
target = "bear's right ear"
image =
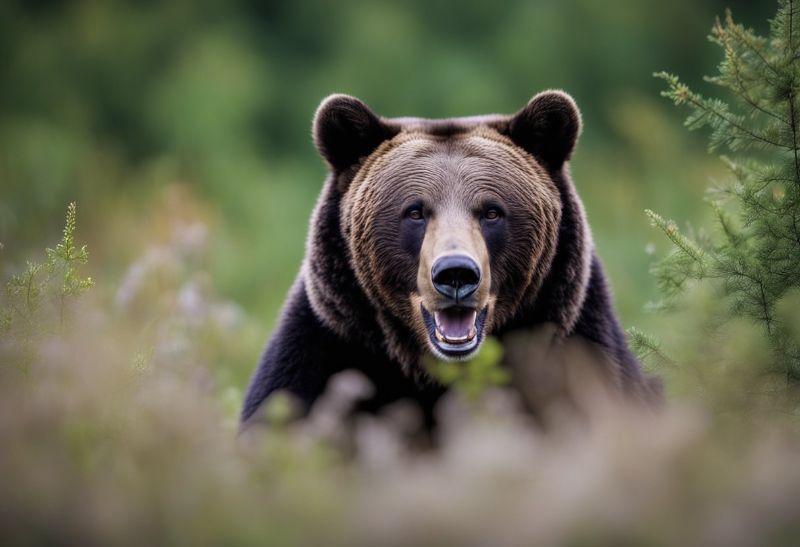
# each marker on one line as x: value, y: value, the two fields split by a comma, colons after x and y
x: 346, y: 130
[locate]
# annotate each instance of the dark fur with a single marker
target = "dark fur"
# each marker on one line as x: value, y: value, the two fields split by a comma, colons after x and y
x: 330, y: 323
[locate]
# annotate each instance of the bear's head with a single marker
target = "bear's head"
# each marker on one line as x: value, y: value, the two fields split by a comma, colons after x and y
x: 432, y: 234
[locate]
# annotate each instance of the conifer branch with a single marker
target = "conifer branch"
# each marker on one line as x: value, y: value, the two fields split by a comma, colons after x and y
x: 753, y: 261
x: 746, y: 38
x: 705, y: 110
x: 734, y: 61
x: 647, y: 347
x: 673, y: 233
x: 733, y: 236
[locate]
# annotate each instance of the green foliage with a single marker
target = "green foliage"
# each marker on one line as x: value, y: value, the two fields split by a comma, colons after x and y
x: 278, y: 410
x: 754, y: 258
x: 647, y: 347
x: 63, y: 261
x: 36, y: 298
x: 473, y: 377
x: 687, y: 261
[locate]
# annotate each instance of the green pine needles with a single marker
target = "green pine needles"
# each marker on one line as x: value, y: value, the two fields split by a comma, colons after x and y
x: 754, y: 256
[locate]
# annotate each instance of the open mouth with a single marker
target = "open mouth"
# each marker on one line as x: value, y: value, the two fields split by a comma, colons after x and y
x: 455, y: 332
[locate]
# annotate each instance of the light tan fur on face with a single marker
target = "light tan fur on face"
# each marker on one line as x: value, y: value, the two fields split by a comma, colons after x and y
x: 452, y: 231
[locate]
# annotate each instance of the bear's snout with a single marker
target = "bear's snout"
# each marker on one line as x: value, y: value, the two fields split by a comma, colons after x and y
x: 456, y: 277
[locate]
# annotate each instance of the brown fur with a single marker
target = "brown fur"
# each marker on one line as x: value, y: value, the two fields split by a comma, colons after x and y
x: 452, y: 172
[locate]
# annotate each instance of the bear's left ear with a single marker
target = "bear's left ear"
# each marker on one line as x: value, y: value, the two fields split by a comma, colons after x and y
x: 547, y: 127
x: 345, y: 130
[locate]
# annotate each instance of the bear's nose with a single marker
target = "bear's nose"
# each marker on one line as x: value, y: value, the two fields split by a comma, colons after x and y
x: 456, y: 276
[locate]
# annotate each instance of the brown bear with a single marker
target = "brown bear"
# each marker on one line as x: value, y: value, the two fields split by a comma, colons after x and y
x: 430, y: 235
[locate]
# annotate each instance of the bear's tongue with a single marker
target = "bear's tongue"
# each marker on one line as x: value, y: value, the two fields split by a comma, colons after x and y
x: 455, y: 325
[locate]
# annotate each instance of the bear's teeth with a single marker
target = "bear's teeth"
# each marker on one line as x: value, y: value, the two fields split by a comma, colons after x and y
x: 455, y: 325
x: 441, y: 338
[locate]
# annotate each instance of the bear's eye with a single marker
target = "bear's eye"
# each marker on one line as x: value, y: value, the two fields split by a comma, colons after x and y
x: 415, y: 214
x: 491, y: 214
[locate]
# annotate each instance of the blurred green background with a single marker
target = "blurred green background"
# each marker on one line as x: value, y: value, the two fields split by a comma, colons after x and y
x: 144, y: 110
